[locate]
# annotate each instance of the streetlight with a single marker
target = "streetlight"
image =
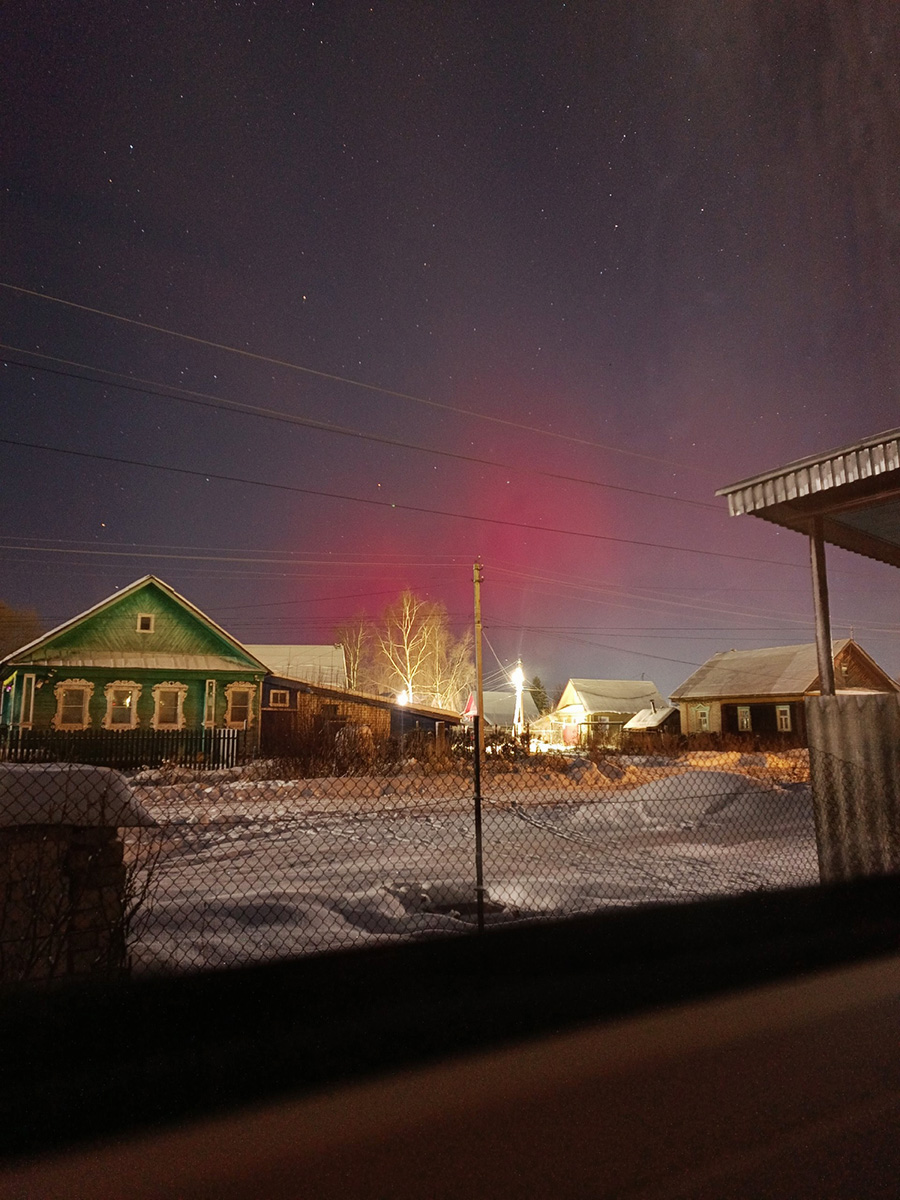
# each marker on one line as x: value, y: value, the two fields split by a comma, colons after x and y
x: 518, y: 679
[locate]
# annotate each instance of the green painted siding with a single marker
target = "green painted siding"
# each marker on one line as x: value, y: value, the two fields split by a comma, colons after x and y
x: 176, y: 630
x: 45, y: 698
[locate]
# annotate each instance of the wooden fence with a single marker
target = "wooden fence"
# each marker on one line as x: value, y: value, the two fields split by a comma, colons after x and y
x: 130, y: 748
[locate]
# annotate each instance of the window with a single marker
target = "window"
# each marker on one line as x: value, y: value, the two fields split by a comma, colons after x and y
x: 239, y: 697
x: 703, y: 720
x: 26, y: 712
x: 72, y: 704
x: 168, y: 705
x: 209, y: 704
x: 783, y: 717
x: 145, y: 622
x: 121, y: 704
x: 744, y: 723
x: 279, y: 698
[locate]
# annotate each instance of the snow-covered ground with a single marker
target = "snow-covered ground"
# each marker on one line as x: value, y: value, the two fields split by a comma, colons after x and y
x: 255, y: 869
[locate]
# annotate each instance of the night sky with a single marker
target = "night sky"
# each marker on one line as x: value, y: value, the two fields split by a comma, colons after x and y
x: 566, y: 266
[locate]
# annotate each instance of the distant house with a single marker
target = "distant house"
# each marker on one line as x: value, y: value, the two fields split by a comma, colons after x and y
x: 500, y: 709
x: 747, y: 692
x: 596, y: 708
x: 313, y: 664
x: 144, y: 658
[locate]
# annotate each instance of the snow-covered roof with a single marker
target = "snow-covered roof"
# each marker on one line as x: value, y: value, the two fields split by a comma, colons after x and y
x: 773, y: 671
x: 500, y: 708
x: 311, y: 664
x: 611, y: 695
x: 650, y: 718
x: 67, y: 794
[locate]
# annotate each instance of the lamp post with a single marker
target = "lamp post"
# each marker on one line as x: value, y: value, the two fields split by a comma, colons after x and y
x: 518, y: 678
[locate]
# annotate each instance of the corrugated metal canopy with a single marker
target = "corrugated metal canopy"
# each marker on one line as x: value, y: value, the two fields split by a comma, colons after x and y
x: 855, y: 490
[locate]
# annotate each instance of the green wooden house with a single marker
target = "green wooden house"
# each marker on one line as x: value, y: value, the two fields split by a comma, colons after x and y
x: 142, y: 659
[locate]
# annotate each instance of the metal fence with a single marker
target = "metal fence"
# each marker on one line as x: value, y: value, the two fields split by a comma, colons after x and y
x: 286, y: 857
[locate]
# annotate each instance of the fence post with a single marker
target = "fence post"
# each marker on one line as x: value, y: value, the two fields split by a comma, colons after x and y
x: 479, y: 860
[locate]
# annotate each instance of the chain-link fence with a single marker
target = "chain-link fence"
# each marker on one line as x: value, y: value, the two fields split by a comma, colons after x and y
x: 336, y: 848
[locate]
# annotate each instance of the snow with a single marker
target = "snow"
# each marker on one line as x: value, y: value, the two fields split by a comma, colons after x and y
x: 253, y: 869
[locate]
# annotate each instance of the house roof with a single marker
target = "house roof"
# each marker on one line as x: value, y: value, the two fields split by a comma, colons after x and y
x: 855, y: 491
x: 312, y: 664
x: 331, y: 691
x: 611, y: 695
x: 31, y: 652
x: 650, y: 718
x: 500, y: 707
x: 773, y: 671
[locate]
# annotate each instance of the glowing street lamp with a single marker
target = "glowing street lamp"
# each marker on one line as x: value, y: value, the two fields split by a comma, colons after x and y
x: 518, y: 679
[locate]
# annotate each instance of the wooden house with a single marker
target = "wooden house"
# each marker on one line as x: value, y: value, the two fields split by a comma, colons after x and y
x: 144, y: 658
x: 294, y: 709
x: 591, y: 709
x: 753, y: 692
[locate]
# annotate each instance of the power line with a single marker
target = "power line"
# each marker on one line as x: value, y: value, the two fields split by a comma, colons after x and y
x: 371, y: 387
x: 433, y: 512
x: 220, y: 403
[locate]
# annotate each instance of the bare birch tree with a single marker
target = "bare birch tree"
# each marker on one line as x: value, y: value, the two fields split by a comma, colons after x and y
x: 411, y: 650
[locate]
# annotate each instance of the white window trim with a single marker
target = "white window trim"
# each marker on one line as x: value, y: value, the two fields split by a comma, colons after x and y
x: 26, y: 712
x: 82, y: 685
x: 743, y: 709
x: 285, y: 703
x: 210, y: 694
x: 141, y: 616
x: 121, y: 685
x: 182, y: 690
x: 703, y: 723
x: 229, y: 693
x: 783, y: 710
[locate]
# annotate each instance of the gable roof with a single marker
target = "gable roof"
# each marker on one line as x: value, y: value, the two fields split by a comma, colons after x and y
x: 41, y: 651
x: 500, y: 707
x: 310, y: 664
x: 611, y: 695
x: 773, y: 671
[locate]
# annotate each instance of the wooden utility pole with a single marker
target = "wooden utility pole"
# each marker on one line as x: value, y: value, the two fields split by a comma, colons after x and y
x: 478, y: 752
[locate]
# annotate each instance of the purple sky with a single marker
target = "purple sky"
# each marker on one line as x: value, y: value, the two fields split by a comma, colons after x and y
x: 651, y: 246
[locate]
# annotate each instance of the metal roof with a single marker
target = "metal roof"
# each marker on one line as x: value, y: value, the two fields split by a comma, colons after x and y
x: 611, y: 695
x: 126, y: 661
x: 312, y: 664
x: 773, y: 671
x: 500, y: 707
x: 650, y: 718
x: 855, y: 490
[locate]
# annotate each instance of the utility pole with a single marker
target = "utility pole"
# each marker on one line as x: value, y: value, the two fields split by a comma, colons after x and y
x: 479, y: 751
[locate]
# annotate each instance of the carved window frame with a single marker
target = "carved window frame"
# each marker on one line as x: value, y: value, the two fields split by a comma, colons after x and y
x: 72, y: 685
x: 171, y: 686
x: 121, y: 685
x: 230, y: 690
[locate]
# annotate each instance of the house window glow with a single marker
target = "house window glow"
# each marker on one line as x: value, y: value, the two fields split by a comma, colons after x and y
x: 121, y: 704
